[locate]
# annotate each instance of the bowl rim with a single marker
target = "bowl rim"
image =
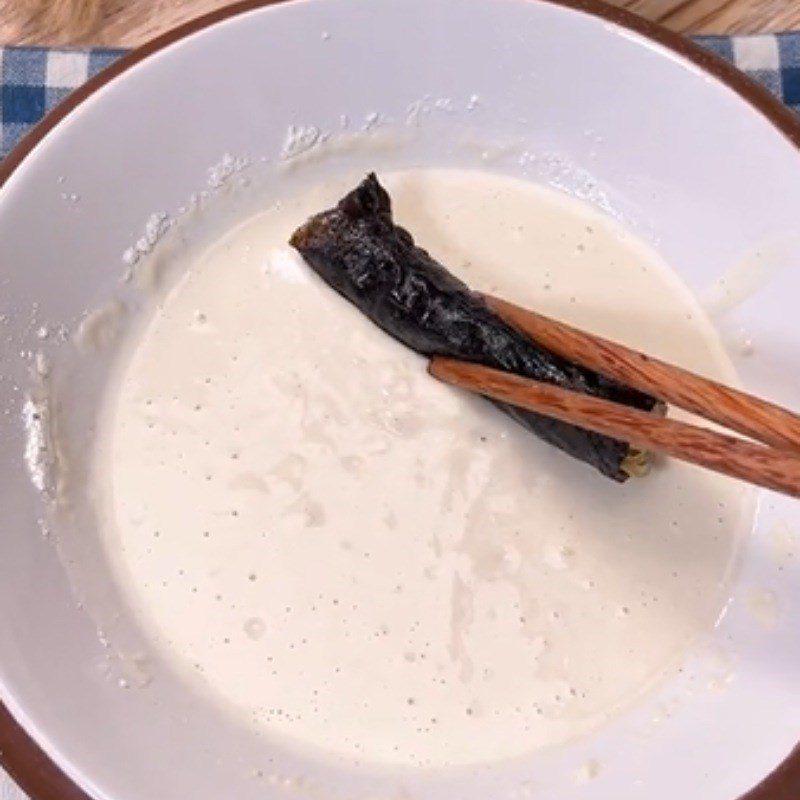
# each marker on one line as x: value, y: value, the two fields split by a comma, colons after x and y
x: 22, y: 758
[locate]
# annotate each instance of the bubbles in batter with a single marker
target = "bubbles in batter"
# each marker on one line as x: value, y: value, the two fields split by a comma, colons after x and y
x: 373, y: 564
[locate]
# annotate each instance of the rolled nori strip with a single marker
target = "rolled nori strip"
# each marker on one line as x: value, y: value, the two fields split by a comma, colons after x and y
x: 359, y: 251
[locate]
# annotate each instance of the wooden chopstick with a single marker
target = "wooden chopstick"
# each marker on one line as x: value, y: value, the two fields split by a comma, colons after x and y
x: 749, y: 461
x: 752, y: 416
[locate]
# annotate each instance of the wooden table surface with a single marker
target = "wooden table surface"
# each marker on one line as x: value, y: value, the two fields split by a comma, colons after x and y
x: 126, y: 23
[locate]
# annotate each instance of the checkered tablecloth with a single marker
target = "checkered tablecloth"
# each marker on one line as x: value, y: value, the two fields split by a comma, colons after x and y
x: 33, y: 80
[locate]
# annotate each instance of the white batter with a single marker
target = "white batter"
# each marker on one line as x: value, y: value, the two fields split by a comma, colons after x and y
x: 366, y: 561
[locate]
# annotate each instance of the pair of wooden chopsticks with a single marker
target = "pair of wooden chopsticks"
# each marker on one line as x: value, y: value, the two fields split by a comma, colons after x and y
x: 772, y: 461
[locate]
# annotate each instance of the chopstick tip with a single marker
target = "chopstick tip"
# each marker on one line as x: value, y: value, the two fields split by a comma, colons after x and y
x: 442, y: 368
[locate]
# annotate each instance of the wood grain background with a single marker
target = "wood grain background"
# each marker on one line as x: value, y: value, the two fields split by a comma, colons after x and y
x: 127, y: 23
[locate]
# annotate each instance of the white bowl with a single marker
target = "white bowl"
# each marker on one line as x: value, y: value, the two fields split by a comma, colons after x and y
x: 699, y: 161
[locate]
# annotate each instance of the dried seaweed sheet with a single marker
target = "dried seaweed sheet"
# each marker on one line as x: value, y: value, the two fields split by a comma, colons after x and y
x: 359, y: 251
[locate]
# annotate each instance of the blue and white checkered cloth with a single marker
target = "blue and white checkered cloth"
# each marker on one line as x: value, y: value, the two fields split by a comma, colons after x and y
x: 33, y: 79
x: 771, y: 60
